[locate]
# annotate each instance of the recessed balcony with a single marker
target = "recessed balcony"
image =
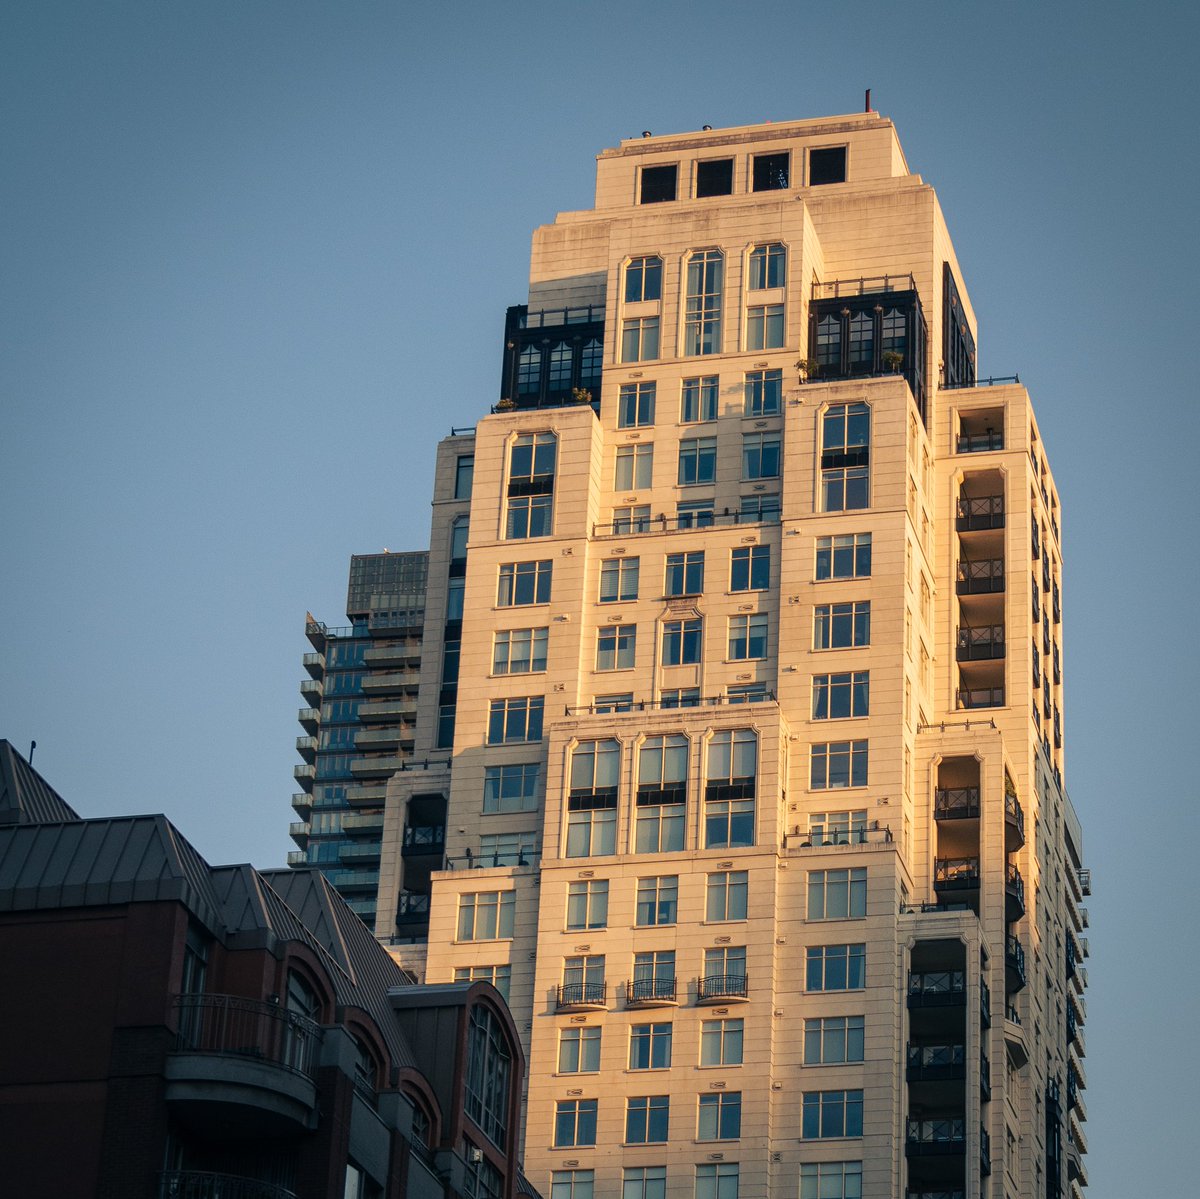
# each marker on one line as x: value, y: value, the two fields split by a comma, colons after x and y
x: 412, y: 910
x: 979, y: 443
x: 1014, y: 964
x: 937, y: 988
x: 1014, y: 893
x: 242, y: 1068
x: 203, y: 1184
x: 984, y: 643
x: 985, y: 577
x: 979, y: 513
x: 1014, y: 1038
x: 979, y: 697
x: 383, y: 766
x: 955, y: 875
x: 956, y: 803
x: 574, y: 997
x: 423, y: 839
x: 723, y: 988
x: 936, y: 1063
x: 936, y: 1138
x: 650, y: 992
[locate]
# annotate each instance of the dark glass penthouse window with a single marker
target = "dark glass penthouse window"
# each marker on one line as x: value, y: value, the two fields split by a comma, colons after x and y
x: 827, y: 165
x: 770, y: 172
x: 715, y: 177
x: 658, y: 183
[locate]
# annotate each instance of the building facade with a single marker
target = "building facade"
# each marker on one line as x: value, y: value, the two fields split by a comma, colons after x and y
x: 181, y: 1031
x: 752, y: 746
x: 361, y: 701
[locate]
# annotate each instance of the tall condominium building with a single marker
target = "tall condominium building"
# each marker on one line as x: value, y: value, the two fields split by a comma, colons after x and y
x: 358, y: 722
x: 751, y: 741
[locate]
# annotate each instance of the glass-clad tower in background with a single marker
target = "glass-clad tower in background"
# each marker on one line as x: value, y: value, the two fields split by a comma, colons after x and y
x: 361, y: 697
x: 745, y: 632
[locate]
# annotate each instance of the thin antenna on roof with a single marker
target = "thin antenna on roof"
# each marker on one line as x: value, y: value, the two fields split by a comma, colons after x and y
x: 868, y: 107
x: 32, y: 747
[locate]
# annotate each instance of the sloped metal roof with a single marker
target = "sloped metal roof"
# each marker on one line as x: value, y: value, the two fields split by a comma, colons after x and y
x: 26, y: 797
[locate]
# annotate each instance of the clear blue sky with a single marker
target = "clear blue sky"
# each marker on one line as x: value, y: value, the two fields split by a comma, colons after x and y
x: 255, y: 261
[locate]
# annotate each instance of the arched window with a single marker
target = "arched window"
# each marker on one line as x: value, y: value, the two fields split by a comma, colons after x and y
x: 560, y: 367
x: 590, y: 362
x: 829, y: 342
x: 529, y: 371
x: 894, y: 336
x: 862, y: 341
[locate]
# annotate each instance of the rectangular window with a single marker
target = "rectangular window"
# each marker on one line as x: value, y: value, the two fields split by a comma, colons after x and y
x: 618, y: 580
x: 643, y: 1182
x: 699, y: 400
x: 834, y: 1040
x: 748, y: 637
x: 486, y: 915
x: 836, y: 968
x: 714, y: 177
x: 730, y: 789
x: 529, y: 516
x: 634, y: 467
x: 515, y: 719
x: 724, y: 971
x: 720, y: 1116
x: 464, y: 473
x: 574, y: 1123
x: 583, y: 980
x: 639, y: 339
x: 845, y: 457
x: 842, y: 626
x: 519, y: 651
x: 658, y: 183
x: 635, y: 405
x: 697, y: 460
x: 760, y: 455
x: 616, y: 646
x: 718, y: 1181
x: 844, y: 557
x: 661, y: 794
x: 721, y: 1042
x: 841, y: 696
x: 764, y: 327
x: 508, y: 849
x: 838, y: 828
x: 681, y: 642
x: 679, y: 697
x: 685, y: 574
x: 524, y: 583
x: 768, y: 267
x: 643, y: 281
x: 587, y: 904
x: 634, y: 519
x: 650, y: 1047
x: 750, y: 568
x: 620, y: 702
x: 759, y: 507
x: 573, y: 1184
x: 826, y: 164
x: 592, y: 798
x: 828, y: 1180
x: 837, y: 894
x: 653, y: 974
x: 832, y: 1114
x: 838, y: 764
x: 770, y: 172
x: 646, y: 1119
x: 746, y: 693
x: 510, y: 788
x: 764, y: 391
x: 579, y: 1049
x: 499, y: 976
x: 725, y: 895
x: 694, y: 514
x: 702, y: 312
x: 657, y: 900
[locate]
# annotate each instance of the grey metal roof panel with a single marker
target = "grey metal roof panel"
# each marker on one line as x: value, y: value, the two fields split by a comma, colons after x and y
x: 26, y: 797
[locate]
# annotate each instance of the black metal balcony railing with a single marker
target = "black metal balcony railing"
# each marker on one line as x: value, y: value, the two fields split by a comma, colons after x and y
x: 483, y: 861
x: 936, y: 1061
x: 937, y: 988
x: 956, y: 874
x: 974, y: 513
x: 982, y: 644
x: 638, y: 525
x: 985, y: 1152
x: 202, y: 1184
x: 658, y: 705
x: 985, y: 1077
x: 935, y: 1195
x: 956, y: 803
x: 978, y: 443
x: 229, y: 1024
x: 1014, y: 889
x: 412, y: 908
x: 985, y: 1003
x: 722, y: 986
x: 424, y: 838
x: 1014, y: 963
x: 649, y: 990
x: 865, y: 286
x: 980, y: 697
x: 984, y: 577
x: 1014, y: 814
x: 581, y: 995
x: 937, y: 1136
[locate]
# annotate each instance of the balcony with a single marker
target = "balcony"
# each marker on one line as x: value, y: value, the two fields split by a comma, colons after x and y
x: 1014, y: 893
x: 722, y: 988
x: 573, y: 997
x: 955, y: 874
x: 939, y: 1194
x: 956, y: 803
x: 936, y: 1138
x: 312, y: 690
x: 661, y: 523
x: 359, y: 854
x: 392, y: 655
x: 412, y: 909
x: 937, y: 988
x: 302, y: 803
x: 314, y: 664
x: 985, y: 577
x: 985, y: 1152
x: 392, y: 680
x: 1014, y: 823
x: 1014, y: 964
x: 650, y: 992
x: 979, y: 697
x: 422, y: 839
x: 242, y: 1064
x: 384, y: 738
x: 985, y: 1078
x: 982, y: 644
x: 305, y: 775
x: 387, y: 709
x: 936, y: 1063
x: 374, y: 793
x: 298, y: 831
x: 382, y: 766
x: 201, y: 1184
x: 309, y: 718
x: 352, y: 881
x: 973, y: 514
x: 364, y: 822
x: 550, y: 354
x: 306, y: 747
x: 297, y: 857
x: 979, y: 443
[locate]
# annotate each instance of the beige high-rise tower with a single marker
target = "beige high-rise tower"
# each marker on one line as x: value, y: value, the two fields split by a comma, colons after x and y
x: 746, y: 703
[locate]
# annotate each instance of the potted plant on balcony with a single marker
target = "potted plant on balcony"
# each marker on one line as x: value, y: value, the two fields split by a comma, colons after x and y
x: 505, y: 405
x: 581, y: 395
x: 809, y: 368
x: 893, y: 360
